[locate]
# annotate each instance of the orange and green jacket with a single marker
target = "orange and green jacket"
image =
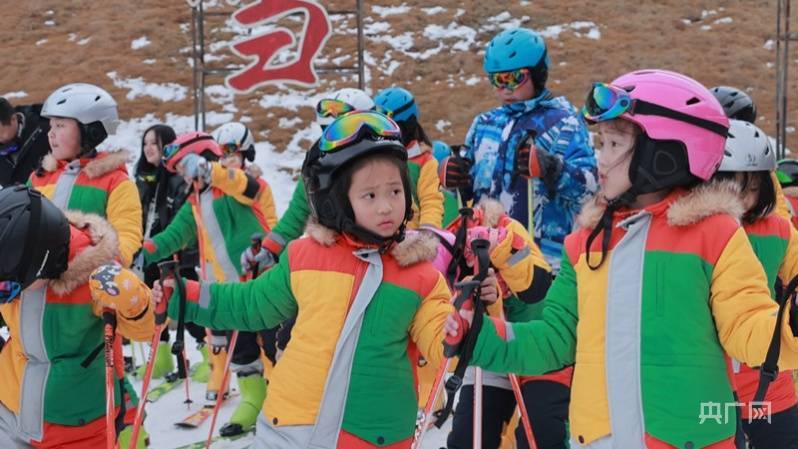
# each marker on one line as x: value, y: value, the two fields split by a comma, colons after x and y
x: 97, y: 185
x: 347, y: 370
x: 233, y: 208
x: 775, y: 244
x: 426, y: 185
x: 56, y: 328
x: 649, y: 330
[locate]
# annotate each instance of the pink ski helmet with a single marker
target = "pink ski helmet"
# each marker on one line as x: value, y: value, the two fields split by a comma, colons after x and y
x: 196, y: 142
x: 669, y: 108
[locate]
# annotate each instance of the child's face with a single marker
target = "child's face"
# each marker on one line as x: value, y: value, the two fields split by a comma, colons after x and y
x: 615, y: 144
x: 377, y: 197
x: 232, y: 160
x: 9, y: 132
x: 749, y: 196
x: 152, y: 151
x: 522, y: 92
x: 64, y: 137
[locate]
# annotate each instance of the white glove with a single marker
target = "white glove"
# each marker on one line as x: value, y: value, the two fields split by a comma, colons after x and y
x: 263, y: 259
x: 196, y: 167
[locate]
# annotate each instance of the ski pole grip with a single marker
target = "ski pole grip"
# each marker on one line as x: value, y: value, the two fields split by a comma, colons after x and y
x: 452, y: 343
x: 166, y: 270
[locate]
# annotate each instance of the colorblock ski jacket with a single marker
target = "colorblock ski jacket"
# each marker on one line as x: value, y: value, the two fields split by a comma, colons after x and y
x: 97, y: 185
x: 492, y: 142
x: 55, y: 329
x: 346, y: 372
x: 427, y: 196
x: 775, y: 244
x: 229, y: 211
x: 649, y: 330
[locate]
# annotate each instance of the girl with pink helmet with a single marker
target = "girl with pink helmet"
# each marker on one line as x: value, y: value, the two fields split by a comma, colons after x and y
x: 656, y: 287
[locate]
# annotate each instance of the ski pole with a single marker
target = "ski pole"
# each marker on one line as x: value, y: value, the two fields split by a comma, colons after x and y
x: 220, y: 396
x: 160, y: 320
x: 437, y: 387
x: 179, y: 346
x: 476, y: 436
x: 109, y: 329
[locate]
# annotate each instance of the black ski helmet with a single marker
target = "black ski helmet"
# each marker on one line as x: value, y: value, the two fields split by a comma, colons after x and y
x: 736, y: 103
x: 34, y: 236
x: 321, y: 175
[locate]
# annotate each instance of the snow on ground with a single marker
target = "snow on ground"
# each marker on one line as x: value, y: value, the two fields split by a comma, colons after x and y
x: 162, y: 415
x: 17, y: 94
x: 137, y: 87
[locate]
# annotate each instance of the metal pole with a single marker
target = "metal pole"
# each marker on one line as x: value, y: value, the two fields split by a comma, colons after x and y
x: 201, y: 64
x: 782, y: 65
x: 195, y: 68
x: 361, y: 74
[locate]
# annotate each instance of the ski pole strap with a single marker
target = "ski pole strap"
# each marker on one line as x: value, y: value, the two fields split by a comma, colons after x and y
x: 480, y: 248
x: 165, y: 269
x: 458, y: 267
x: 770, y: 368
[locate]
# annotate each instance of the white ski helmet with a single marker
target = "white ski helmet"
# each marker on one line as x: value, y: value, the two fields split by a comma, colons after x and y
x: 356, y: 98
x: 747, y: 149
x: 235, y: 137
x: 91, y: 106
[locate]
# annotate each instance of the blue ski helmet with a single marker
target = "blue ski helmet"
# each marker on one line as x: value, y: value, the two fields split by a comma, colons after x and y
x: 396, y: 103
x: 440, y: 150
x: 518, y: 48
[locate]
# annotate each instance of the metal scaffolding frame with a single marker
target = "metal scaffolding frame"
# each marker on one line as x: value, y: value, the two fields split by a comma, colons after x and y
x: 201, y: 71
x: 783, y: 38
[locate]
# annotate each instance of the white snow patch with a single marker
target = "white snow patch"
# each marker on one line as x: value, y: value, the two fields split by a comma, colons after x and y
x: 466, y: 35
x: 706, y: 13
x: 723, y: 20
x: 441, y: 125
x: 769, y: 45
x: 705, y: 27
x: 553, y: 31
x: 17, y: 94
x: 49, y: 12
x: 433, y: 10
x: 141, y: 42
x: 385, y: 11
x: 149, y: 61
x: 376, y: 28
x: 71, y: 37
x: 392, y: 66
x: 40, y: 42
x: 49, y: 23
x: 460, y: 12
x: 137, y: 87
x: 687, y: 21
x: 84, y: 41
x: 473, y: 80
x: 289, y: 123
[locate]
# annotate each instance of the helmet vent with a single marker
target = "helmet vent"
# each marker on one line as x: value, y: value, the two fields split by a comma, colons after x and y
x: 97, y: 98
x: 63, y: 100
x: 692, y: 101
x: 512, y: 55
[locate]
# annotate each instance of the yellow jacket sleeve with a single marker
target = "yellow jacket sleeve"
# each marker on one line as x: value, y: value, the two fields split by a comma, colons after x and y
x: 789, y: 266
x: 745, y: 314
x: 266, y: 203
x: 782, y: 209
x: 430, y: 198
x: 236, y: 183
x: 123, y: 211
x: 426, y: 329
x: 516, y: 258
x: 131, y: 300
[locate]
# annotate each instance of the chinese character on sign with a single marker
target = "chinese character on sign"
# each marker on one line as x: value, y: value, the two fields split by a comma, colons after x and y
x: 262, y: 48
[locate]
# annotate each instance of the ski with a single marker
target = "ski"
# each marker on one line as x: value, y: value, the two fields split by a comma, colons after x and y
x: 201, y: 444
x: 196, y: 419
x: 170, y: 383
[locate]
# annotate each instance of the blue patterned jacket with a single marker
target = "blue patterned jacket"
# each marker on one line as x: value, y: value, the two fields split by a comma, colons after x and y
x: 491, y: 143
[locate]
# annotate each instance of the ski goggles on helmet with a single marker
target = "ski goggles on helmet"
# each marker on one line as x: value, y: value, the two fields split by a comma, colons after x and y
x: 170, y: 150
x: 229, y: 148
x: 606, y: 102
x: 391, y: 112
x: 509, y: 80
x: 9, y: 148
x: 9, y: 290
x: 333, y: 108
x: 351, y: 127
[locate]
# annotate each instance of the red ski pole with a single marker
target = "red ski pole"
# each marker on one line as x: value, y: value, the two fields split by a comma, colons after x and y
x: 160, y: 320
x: 220, y: 396
x: 109, y: 329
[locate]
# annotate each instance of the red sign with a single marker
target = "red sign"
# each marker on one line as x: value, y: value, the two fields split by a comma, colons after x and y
x: 262, y: 48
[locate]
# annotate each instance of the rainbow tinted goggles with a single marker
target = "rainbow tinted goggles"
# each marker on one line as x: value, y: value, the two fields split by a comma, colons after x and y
x: 509, y: 80
x: 606, y: 102
x: 170, y: 150
x: 351, y: 127
x: 333, y: 108
x: 9, y: 290
x: 229, y: 148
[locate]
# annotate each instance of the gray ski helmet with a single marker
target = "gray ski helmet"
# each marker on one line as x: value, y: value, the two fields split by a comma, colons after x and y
x: 34, y: 236
x: 747, y: 149
x: 736, y: 103
x: 92, y: 107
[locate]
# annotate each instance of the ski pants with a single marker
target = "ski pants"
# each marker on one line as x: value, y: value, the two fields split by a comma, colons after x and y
x: 781, y: 432
x: 546, y: 403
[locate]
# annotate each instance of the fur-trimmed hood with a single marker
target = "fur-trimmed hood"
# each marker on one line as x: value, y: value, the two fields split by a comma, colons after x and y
x: 684, y: 207
x: 104, y: 248
x: 104, y: 162
x: 418, y: 246
x: 492, y: 212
